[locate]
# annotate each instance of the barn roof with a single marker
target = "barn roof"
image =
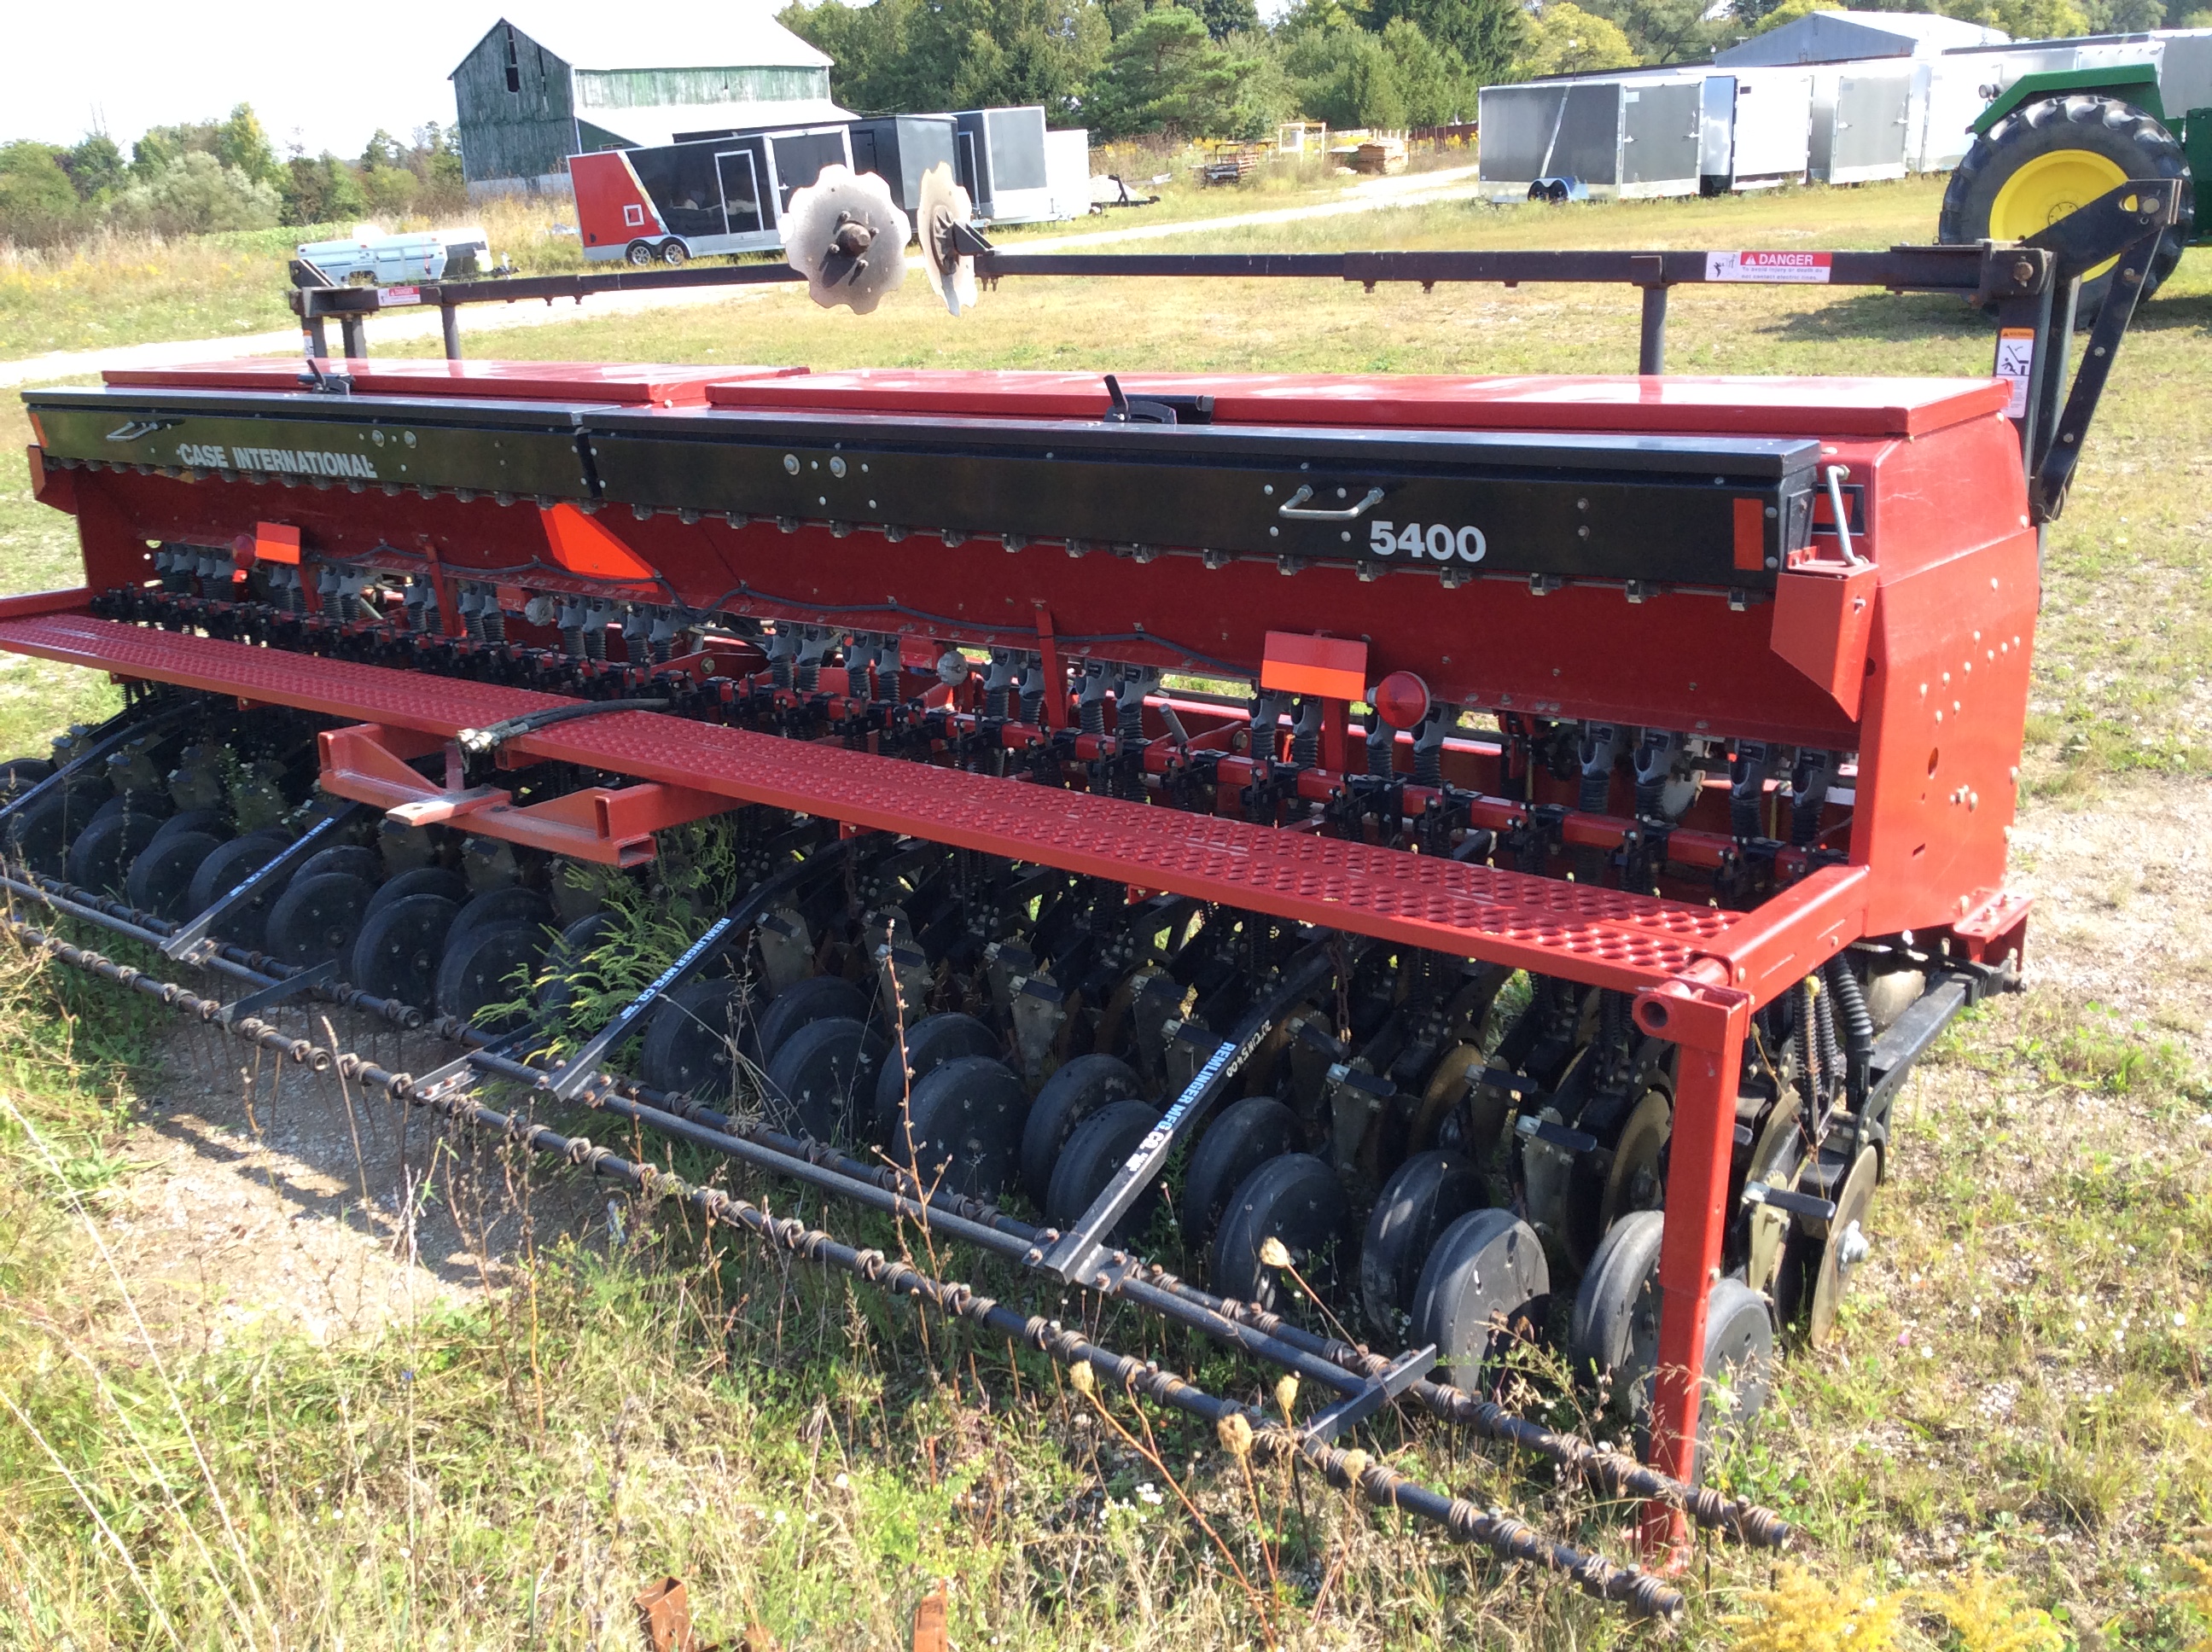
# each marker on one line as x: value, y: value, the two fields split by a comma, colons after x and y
x: 740, y: 36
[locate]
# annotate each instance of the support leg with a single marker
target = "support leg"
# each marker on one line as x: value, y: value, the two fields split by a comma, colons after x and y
x: 1711, y: 1028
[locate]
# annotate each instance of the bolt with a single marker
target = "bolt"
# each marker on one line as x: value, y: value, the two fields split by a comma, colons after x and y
x: 1852, y: 1249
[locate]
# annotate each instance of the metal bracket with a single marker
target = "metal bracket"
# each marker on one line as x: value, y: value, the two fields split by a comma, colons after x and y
x: 291, y: 987
x: 1387, y: 1385
x: 191, y: 943
x: 577, y: 1072
x: 1072, y: 1257
x: 1822, y: 1211
x: 440, y: 1080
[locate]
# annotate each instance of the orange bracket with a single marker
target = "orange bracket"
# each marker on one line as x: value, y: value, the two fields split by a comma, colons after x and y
x: 368, y: 762
x: 1823, y: 617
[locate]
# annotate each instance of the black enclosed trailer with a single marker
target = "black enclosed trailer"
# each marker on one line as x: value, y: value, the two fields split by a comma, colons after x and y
x: 900, y: 149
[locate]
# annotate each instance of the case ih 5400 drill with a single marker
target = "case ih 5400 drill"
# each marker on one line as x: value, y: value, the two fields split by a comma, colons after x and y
x: 1498, y: 843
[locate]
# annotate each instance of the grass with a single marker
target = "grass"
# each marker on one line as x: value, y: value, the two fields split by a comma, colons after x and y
x: 2006, y: 1448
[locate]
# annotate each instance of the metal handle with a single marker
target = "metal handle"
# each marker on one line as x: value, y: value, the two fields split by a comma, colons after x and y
x: 1292, y: 512
x: 1835, y: 475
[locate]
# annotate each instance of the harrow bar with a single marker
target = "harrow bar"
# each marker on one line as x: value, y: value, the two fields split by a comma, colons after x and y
x: 1354, y: 1372
x: 1350, y: 1470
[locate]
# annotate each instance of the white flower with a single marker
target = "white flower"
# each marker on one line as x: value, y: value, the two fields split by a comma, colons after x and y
x: 841, y: 1481
x: 1150, y: 1493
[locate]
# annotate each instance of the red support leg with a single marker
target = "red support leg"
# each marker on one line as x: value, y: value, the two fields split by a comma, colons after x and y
x: 1709, y: 1023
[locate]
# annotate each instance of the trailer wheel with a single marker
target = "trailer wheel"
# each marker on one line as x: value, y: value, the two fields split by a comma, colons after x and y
x: 640, y: 254
x: 675, y: 254
x: 2046, y: 159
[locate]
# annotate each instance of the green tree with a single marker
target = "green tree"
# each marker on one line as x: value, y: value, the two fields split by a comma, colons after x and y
x: 321, y: 189
x: 1344, y: 77
x: 1432, y: 79
x: 1788, y: 11
x: 391, y: 191
x: 906, y: 55
x: 1224, y: 18
x: 195, y: 195
x: 1166, y: 72
x: 1568, y: 41
x: 1667, y: 30
x: 38, y: 205
x: 241, y: 144
x: 1490, y: 36
x: 96, y: 167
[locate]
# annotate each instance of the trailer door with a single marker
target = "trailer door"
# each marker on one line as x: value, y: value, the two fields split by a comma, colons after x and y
x: 798, y: 158
x: 1717, y: 131
x: 741, y: 192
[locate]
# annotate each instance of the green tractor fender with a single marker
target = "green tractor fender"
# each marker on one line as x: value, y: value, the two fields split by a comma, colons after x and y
x: 2135, y: 83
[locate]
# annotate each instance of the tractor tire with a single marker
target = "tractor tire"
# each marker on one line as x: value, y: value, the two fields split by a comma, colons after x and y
x: 2046, y: 159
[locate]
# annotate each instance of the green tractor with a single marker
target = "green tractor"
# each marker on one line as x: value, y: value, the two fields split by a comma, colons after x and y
x: 2056, y: 139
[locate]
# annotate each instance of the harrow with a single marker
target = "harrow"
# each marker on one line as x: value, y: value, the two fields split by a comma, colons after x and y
x: 1487, y: 850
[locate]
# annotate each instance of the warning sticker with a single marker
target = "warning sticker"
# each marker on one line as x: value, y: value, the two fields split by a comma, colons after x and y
x: 2016, y: 362
x: 1768, y: 266
x: 392, y: 295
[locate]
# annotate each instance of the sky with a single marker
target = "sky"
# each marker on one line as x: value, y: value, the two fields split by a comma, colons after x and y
x: 322, y: 77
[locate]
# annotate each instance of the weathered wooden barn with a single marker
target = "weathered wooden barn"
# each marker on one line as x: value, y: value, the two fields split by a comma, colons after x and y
x: 622, y: 81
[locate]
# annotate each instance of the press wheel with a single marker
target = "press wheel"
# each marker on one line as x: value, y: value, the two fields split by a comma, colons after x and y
x: 1074, y: 1092
x: 966, y: 1127
x: 400, y: 947
x: 1100, y: 1146
x: 512, y: 904
x: 1484, y: 1285
x: 317, y: 918
x: 161, y: 880
x: 1612, y: 1340
x: 486, y: 968
x: 927, y: 1045
x: 1846, y: 1248
x: 349, y: 858
x: 1423, y: 1196
x: 1243, y: 1138
x: 224, y: 870
x: 822, y: 1084
x: 1296, y: 1200
x: 691, y: 1042
x: 421, y: 880
x: 818, y: 997
x: 100, y: 858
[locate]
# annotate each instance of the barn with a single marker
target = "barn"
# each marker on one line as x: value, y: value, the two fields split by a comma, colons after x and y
x: 622, y: 80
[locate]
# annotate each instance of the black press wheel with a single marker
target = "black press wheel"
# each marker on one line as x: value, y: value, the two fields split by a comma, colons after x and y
x: 1246, y: 1136
x: 818, y: 997
x: 2051, y: 156
x: 161, y: 880
x: 317, y: 918
x: 483, y: 979
x: 1485, y: 1285
x: 348, y: 858
x: 100, y: 858
x: 1296, y: 1200
x: 422, y: 880
x: 967, y: 1125
x: 513, y: 904
x: 822, y: 1084
x: 691, y: 1041
x: 1075, y: 1091
x: 400, y: 947
x: 928, y: 1045
x: 224, y: 871
x: 1100, y: 1146
x: 1423, y: 1196
x: 40, y: 834
x: 1613, y: 1340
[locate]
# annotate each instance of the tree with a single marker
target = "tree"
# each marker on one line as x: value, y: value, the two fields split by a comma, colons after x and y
x: 38, y: 205
x: 1432, y: 80
x: 1165, y: 72
x: 955, y: 54
x: 1789, y: 11
x: 1667, y: 30
x: 96, y: 167
x: 1224, y: 18
x: 240, y: 143
x: 1344, y: 76
x: 1568, y: 41
x: 195, y: 195
x: 321, y: 189
x: 1490, y: 36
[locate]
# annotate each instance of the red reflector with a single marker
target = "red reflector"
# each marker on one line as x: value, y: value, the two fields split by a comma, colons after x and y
x: 582, y: 546
x: 1401, y: 699
x: 1331, y: 668
x: 1750, y: 534
x: 276, y: 541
